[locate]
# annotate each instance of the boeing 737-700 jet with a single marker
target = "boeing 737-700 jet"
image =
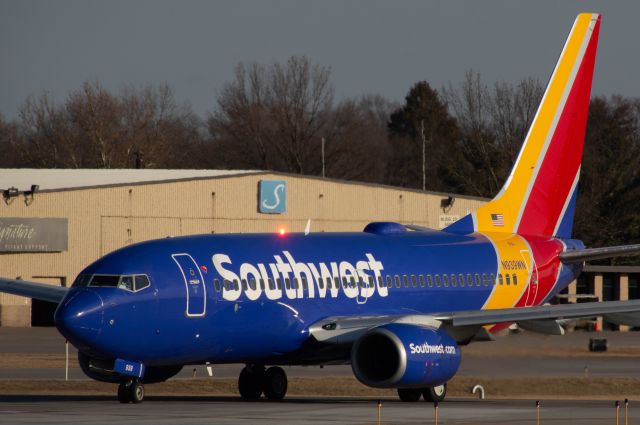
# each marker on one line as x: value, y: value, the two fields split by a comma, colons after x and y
x: 395, y: 301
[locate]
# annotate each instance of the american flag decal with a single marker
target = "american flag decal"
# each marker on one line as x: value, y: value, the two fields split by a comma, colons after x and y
x: 497, y: 219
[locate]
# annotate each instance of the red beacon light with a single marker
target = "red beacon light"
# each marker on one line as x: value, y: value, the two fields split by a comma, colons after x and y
x: 282, y: 232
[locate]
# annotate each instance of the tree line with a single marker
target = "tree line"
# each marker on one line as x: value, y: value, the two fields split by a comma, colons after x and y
x: 285, y: 117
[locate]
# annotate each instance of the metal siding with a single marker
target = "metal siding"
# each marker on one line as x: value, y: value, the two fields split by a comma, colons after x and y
x: 104, y: 219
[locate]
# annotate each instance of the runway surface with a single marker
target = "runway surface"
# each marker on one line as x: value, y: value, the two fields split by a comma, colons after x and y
x: 519, y: 355
x: 220, y: 410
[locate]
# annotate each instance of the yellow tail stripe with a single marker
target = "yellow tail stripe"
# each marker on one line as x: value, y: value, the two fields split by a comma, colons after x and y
x: 509, y: 201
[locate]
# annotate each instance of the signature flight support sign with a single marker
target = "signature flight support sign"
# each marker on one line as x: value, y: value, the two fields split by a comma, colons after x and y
x: 33, y: 234
x: 273, y: 197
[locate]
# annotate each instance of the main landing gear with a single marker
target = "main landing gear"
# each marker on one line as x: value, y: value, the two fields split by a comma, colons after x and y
x: 131, y: 392
x: 254, y: 380
x: 432, y: 394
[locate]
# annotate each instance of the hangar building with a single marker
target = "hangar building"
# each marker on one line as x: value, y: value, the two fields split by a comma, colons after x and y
x: 54, y: 222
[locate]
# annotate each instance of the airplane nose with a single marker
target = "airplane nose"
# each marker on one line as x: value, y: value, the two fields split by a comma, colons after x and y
x: 79, y: 318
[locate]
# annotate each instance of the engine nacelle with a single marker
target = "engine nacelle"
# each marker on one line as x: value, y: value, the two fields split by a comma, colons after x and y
x: 404, y: 356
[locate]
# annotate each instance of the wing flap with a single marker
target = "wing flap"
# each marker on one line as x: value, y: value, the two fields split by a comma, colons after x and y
x: 39, y: 291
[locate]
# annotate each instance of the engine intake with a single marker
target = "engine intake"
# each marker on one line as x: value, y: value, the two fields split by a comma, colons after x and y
x: 404, y: 356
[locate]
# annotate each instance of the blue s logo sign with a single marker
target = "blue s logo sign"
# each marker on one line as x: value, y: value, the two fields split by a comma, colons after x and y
x: 273, y: 196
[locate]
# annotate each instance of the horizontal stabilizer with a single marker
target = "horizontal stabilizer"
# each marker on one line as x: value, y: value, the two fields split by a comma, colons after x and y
x: 578, y: 256
x: 39, y: 291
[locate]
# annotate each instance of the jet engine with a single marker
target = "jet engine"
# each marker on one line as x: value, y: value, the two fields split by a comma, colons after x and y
x: 102, y: 370
x: 404, y: 356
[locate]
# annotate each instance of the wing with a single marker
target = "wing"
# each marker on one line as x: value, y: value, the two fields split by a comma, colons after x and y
x: 39, y: 291
x: 466, y: 326
x: 580, y: 255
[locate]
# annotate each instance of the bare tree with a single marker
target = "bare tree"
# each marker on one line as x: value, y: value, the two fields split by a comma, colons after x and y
x: 273, y: 117
x: 493, y: 126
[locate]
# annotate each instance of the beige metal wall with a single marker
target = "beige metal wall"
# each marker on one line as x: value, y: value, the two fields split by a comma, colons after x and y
x: 106, y: 218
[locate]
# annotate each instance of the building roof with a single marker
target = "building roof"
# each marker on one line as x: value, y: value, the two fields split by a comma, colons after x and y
x: 60, y: 179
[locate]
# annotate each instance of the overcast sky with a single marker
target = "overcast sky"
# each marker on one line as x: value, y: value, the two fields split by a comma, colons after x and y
x: 371, y: 46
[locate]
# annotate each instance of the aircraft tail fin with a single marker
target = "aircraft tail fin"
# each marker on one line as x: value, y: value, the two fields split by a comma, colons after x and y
x: 539, y: 195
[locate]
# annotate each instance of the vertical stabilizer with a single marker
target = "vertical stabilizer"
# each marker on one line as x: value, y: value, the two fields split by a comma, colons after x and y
x: 538, y: 197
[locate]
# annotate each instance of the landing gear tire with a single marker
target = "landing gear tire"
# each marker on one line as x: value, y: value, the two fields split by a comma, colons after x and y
x: 274, y: 384
x: 131, y: 392
x: 436, y: 393
x: 250, y: 382
x: 409, y: 394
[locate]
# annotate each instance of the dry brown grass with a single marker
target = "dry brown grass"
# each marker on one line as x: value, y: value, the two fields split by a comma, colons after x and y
x: 32, y: 361
x: 347, y: 387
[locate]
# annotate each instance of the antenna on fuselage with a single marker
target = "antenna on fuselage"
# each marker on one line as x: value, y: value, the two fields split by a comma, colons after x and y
x: 307, y: 228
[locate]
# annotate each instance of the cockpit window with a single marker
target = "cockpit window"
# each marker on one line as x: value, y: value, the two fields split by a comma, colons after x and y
x: 133, y: 283
x: 126, y: 282
x: 82, y: 280
x: 141, y: 282
x: 105, y: 280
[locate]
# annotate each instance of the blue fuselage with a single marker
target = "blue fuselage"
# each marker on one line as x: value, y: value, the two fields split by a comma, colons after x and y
x: 243, y: 298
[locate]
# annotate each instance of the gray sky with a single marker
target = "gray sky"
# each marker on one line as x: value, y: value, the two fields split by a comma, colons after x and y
x: 372, y: 46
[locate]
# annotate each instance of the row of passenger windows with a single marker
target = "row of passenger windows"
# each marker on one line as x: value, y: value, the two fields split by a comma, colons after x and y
x: 437, y: 280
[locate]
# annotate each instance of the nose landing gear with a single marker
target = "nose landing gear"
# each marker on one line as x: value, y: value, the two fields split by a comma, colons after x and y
x: 254, y: 380
x: 131, y: 392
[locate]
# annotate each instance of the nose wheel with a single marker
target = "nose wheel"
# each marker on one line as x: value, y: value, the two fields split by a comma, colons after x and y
x: 131, y: 392
x: 254, y: 380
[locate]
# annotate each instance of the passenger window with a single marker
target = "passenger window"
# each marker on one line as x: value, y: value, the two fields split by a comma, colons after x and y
x: 421, y: 277
x: 380, y: 281
x: 227, y: 284
x: 478, y: 282
x: 287, y: 283
x: 429, y: 280
x: 321, y: 283
x: 252, y: 284
x: 438, y: 280
x: 336, y: 282
x: 236, y: 284
x: 405, y: 279
x: 272, y: 285
x: 216, y: 284
x: 507, y: 279
x: 389, y: 281
x: 454, y: 282
x: 372, y: 282
x: 329, y: 282
x: 414, y: 281
x: 469, y: 280
x: 461, y: 279
x: 397, y: 279
x: 485, y: 279
x: 244, y: 284
x: 515, y: 279
x: 296, y: 283
x: 262, y: 284
x: 279, y: 283
x: 500, y: 282
x: 493, y: 279
x: 305, y: 285
x: 445, y: 280
x: 352, y: 281
x: 142, y: 281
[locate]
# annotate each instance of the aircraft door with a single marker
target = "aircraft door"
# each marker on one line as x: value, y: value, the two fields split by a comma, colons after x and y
x: 196, y: 294
x: 532, y: 277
